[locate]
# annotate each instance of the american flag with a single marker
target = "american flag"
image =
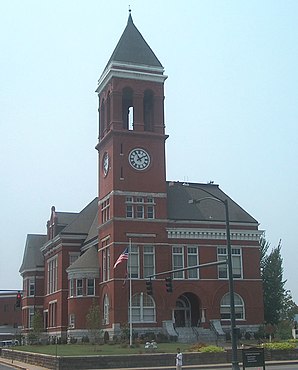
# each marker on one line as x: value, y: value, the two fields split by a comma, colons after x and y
x: 123, y: 257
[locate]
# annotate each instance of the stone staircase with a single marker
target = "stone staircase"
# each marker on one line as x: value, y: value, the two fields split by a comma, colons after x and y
x: 198, y: 334
x: 195, y: 335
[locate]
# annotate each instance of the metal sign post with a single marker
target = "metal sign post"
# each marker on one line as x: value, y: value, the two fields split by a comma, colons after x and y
x: 253, y: 357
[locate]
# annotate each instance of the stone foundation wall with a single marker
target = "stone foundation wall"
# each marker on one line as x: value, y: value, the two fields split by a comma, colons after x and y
x: 124, y: 361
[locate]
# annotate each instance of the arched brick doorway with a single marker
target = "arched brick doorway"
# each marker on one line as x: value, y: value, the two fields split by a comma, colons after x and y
x: 187, y: 310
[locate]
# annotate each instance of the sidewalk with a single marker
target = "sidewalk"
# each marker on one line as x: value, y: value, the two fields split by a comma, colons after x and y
x: 19, y: 365
x: 24, y: 366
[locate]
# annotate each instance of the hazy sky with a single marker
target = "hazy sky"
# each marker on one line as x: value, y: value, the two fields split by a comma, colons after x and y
x: 231, y: 107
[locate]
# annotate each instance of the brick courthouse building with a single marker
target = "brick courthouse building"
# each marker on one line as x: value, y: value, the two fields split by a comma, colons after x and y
x: 70, y: 266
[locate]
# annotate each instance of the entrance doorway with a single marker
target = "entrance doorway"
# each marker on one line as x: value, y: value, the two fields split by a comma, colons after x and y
x: 187, y: 311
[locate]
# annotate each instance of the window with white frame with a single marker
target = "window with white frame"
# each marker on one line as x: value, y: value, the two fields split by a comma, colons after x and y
x: 129, y: 211
x: 143, y: 308
x: 52, y: 314
x: 71, y: 287
x: 236, y: 262
x: 106, y: 261
x: 104, y: 265
x: 150, y: 208
x: 79, y: 287
x: 140, y: 207
x: 139, y: 211
x: 90, y: 286
x: 106, y: 310
x: 134, y: 262
x: 31, y: 287
x: 105, y: 210
x: 148, y: 260
x: 72, y: 321
x: 30, y: 317
x: 192, y: 260
x: 178, y: 262
x: 225, y: 308
x: 52, y: 275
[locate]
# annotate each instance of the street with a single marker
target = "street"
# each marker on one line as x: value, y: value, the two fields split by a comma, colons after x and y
x: 7, y: 367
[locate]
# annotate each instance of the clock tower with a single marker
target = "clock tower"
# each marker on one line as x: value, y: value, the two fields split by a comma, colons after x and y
x: 132, y: 173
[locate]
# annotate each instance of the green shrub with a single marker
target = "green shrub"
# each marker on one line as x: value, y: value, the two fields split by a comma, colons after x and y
x: 211, y: 349
x: 283, y: 346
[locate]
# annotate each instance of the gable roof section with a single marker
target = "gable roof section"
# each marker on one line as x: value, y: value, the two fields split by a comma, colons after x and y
x: 93, y: 233
x: 82, y: 223
x: 87, y: 260
x: 33, y: 258
x: 178, y: 195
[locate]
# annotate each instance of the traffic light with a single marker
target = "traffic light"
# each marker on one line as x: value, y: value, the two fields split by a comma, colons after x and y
x: 149, y: 287
x: 169, y: 284
x: 19, y: 299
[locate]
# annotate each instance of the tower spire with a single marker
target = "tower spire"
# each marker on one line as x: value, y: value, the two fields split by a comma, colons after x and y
x: 129, y: 16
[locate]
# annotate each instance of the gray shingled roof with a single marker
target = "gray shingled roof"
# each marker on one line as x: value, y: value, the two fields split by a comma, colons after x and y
x: 133, y: 49
x: 179, y: 209
x: 88, y: 260
x: 33, y: 257
x: 93, y: 232
x: 83, y: 221
x: 65, y: 218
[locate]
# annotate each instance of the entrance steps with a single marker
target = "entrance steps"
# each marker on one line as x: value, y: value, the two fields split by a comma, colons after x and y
x: 196, y: 334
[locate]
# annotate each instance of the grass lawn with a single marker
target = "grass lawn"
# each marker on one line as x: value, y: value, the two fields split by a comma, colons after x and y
x: 104, y: 349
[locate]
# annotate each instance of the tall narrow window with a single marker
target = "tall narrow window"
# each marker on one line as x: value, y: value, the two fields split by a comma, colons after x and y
x: 71, y: 287
x: 133, y: 262
x: 52, y: 275
x: 178, y: 262
x: 90, y: 287
x: 149, y: 261
x: 106, y: 310
x: 31, y: 287
x: 105, y: 210
x: 129, y: 207
x: 79, y: 287
x: 130, y: 118
x: 148, y: 110
x: 127, y: 108
x: 30, y: 317
x: 72, y: 320
x: 192, y: 260
x: 108, y: 263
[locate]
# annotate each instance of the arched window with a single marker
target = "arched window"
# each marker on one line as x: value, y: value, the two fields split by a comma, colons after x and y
x: 108, y: 111
x: 225, y: 309
x: 106, y: 309
x: 127, y: 108
x: 148, y: 110
x: 143, y: 308
x: 102, y: 118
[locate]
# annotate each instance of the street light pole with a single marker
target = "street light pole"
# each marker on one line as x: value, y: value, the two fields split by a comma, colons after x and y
x: 235, y: 365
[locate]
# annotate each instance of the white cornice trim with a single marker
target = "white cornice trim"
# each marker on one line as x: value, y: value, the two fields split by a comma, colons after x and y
x: 213, y: 234
x: 130, y: 74
x: 136, y: 235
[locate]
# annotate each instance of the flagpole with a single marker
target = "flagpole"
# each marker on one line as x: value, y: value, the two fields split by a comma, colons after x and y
x: 130, y: 296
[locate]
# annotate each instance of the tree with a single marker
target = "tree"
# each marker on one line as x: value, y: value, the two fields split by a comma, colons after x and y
x: 273, y: 283
x: 94, y: 323
x: 37, y: 328
x: 289, y: 309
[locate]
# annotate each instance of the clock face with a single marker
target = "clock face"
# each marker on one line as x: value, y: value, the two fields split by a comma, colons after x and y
x: 105, y: 163
x: 139, y: 159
